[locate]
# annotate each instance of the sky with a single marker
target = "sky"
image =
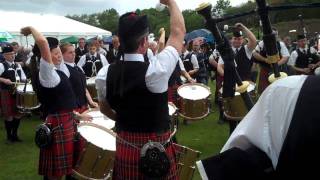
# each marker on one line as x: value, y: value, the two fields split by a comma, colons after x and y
x: 64, y: 7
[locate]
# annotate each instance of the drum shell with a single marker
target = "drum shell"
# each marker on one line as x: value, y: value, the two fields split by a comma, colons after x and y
x: 94, y: 162
x: 235, y: 107
x: 92, y: 90
x: 27, y: 100
x: 194, y: 109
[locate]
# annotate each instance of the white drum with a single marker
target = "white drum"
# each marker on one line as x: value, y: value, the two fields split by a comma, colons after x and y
x: 194, y: 100
x: 26, y: 98
x: 96, y: 159
x: 102, y: 120
x: 317, y: 71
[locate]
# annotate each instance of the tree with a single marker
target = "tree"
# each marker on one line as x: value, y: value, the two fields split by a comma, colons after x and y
x: 221, y: 6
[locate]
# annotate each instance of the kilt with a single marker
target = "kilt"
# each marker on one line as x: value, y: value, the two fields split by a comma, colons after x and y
x: 79, y: 142
x: 8, y: 103
x: 263, y: 81
x: 57, y: 160
x: 126, y: 165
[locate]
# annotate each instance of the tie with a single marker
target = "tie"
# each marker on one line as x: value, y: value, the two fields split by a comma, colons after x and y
x: 92, y: 58
x: 237, y: 51
x: 304, y: 51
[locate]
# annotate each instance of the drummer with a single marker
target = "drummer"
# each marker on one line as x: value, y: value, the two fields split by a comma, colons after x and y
x: 77, y: 78
x: 10, y: 73
x: 92, y: 61
x: 60, y: 101
x: 134, y: 93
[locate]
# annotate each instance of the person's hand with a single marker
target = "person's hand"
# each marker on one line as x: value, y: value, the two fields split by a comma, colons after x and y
x: 312, y: 66
x: 165, y: 2
x: 191, y: 80
x: 94, y: 104
x: 161, y: 30
x: 85, y: 117
x: 26, y: 30
x: 307, y: 70
x: 240, y: 26
x: 7, y: 82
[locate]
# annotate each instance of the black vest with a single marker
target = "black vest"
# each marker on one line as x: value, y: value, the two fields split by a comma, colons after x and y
x: 304, y: 59
x: 80, y: 53
x: 111, y: 57
x: 175, y: 76
x: 60, y: 97
x: 187, y: 61
x: 138, y: 109
x: 202, y: 72
x: 243, y: 64
x: 78, y: 82
x: 299, y: 154
x: 9, y: 74
x: 87, y: 67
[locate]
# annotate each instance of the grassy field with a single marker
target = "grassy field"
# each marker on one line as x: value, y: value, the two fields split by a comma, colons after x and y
x: 20, y: 160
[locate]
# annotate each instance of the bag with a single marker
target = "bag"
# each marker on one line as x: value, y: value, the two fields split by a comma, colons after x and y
x: 43, y: 137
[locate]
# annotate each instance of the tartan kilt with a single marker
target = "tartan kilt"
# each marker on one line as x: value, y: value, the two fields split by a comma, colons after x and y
x: 263, y: 81
x: 80, y: 142
x: 173, y: 94
x: 8, y: 103
x: 126, y: 165
x: 57, y: 159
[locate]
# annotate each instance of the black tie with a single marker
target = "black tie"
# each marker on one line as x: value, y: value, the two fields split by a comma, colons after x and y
x: 304, y: 51
x: 237, y: 51
x: 92, y: 58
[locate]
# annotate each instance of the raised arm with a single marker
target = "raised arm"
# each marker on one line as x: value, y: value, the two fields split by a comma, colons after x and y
x: 177, y: 26
x: 252, y: 38
x: 40, y: 40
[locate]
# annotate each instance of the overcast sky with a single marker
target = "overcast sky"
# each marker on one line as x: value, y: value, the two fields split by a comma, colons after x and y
x: 64, y: 7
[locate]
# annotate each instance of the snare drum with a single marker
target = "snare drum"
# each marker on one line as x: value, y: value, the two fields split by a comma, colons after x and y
x: 235, y: 107
x: 186, y: 159
x: 101, y: 119
x: 91, y: 86
x: 173, y: 113
x: 96, y: 159
x: 26, y: 100
x: 317, y: 71
x: 194, y: 100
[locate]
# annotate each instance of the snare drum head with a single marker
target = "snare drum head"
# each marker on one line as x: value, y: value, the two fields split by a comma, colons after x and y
x: 102, y: 120
x: 91, y: 81
x: 251, y: 87
x: 97, y: 136
x: 194, y: 91
x: 20, y: 88
x: 172, y: 108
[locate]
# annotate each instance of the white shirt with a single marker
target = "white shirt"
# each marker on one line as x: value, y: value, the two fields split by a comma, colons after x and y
x: 267, y: 124
x: 23, y: 75
x: 157, y: 76
x: 248, y: 53
x: 150, y: 54
x: 82, y: 60
x: 48, y: 76
x: 194, y: 60
x: 181, y: 65
x: 294, y: 55
x: 284, y: 50
x: 102, y: 51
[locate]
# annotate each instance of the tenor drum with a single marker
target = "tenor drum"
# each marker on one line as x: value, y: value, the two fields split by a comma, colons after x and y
x: 194, y: 101
x: 91, y: 86
x: 235, y: 107
x: 173, y: 113
x: 101, y: 119
x: 97, y: 158
x: 186, y: 159
x: 26, y: 98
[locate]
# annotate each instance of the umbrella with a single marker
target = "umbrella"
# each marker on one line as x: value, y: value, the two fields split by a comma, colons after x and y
x: 202, y: 33
x: 4, y: 35
x: 71, y: 39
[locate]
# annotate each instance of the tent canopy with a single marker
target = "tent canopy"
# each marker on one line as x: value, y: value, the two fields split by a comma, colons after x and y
x: 50, y: 25
x: 70, y: 39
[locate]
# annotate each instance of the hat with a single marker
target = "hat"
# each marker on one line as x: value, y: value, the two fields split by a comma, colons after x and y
x: 237, y: 33
x: 132, y: 26
x: 301, y: 36
x: 7, y: 49
x: 53, y: 43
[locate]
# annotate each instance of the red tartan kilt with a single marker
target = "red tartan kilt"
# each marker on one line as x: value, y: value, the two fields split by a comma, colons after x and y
x: 8, y: 103
x: 263, y: 81
x: 126, y: 165
x: 80, y: 143
x: 57, y: 160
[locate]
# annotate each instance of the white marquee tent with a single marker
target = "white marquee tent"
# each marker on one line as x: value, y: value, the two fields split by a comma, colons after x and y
x: 50, y: 25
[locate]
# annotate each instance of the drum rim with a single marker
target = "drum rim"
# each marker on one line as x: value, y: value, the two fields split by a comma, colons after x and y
x: 199, y: 84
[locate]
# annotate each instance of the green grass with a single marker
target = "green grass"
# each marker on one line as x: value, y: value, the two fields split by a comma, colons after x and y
x: 20, y: 160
